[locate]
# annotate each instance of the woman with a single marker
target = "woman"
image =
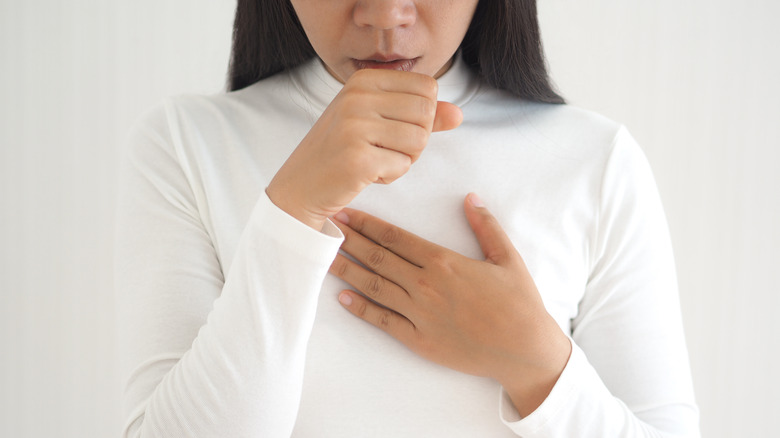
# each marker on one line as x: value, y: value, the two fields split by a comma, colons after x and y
x: 553, y: 314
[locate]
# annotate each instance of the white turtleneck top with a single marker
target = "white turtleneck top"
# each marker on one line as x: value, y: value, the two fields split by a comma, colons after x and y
x: 230, y: 324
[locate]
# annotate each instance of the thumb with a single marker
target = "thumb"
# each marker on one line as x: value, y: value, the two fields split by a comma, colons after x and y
x: 495, y: 244
x: 448, y: 116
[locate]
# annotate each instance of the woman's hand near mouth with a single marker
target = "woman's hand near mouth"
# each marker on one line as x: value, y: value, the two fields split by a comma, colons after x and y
x: 372, y: 132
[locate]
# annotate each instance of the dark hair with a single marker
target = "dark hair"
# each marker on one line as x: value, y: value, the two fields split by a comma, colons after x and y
x: 503, y: 45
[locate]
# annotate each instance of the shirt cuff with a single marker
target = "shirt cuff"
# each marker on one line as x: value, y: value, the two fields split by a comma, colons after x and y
x: 279, y: 226
x: 564, y: 392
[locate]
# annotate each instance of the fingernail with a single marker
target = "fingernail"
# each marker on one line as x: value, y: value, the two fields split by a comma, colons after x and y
x: 476, y: 201
x: 345, y: 299
x: 341, y: 217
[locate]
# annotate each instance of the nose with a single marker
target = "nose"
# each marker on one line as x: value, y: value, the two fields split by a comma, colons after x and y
x: 384, y: 14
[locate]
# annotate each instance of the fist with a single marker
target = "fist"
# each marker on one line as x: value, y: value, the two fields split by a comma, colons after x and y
x: 372, y: 132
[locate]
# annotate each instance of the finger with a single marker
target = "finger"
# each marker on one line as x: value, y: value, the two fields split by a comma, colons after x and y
x: 400, y: 242
x: 376, y: 257
x: 406, y: 138
x: 448, y: 116
x: 407, y: 108
x: 395, y: 324
x: 374, y: 286
x: 396, y: 82
x: 495, y: 244
x: 386, y: 165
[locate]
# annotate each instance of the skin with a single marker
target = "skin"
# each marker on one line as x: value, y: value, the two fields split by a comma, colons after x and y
x: 482, y: 317
x: 343, y: 30
x: 380, y: 122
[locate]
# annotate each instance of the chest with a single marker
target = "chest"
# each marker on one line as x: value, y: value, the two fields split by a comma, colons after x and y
x: 353, y: 368
x: 546, y: 205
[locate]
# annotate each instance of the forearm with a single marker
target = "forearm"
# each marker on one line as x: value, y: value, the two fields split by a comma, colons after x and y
x: 244, y: 370
x: 527, y: 390
x: 581, y: 405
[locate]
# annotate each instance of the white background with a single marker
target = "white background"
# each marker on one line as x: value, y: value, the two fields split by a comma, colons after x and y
x: 696, y: 82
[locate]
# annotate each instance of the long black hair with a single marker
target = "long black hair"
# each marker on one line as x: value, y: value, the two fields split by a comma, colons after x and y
x: 502, y: 45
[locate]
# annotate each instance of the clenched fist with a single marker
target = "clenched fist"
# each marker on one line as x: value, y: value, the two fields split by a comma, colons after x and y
x: 372, y: 132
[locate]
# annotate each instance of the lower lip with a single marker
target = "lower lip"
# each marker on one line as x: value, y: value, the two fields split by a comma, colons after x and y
x: 400, y: 64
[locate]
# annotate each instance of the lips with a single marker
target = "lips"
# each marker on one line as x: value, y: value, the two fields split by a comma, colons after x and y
x: 386, y: 63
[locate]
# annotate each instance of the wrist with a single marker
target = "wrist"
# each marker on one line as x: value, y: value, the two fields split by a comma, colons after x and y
x: 294, y: 209
x: 529, y: 386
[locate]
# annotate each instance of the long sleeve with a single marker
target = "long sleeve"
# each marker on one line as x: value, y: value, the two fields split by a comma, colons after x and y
x: 218, y: 289
x: 241, y: 375
x: 628, y: 375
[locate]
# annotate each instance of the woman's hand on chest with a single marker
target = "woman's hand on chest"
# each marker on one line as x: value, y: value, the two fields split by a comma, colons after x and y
x: 481, y: 317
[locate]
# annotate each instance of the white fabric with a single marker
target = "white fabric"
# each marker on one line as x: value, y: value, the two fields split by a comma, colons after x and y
x: 230, y: 325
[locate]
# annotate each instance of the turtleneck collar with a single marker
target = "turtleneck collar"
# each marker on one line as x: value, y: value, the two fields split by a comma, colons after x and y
x: 458, y: 85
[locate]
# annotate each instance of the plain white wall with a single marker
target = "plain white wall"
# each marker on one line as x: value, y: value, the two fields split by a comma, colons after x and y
x: 695, y: 82
x: 75, y: 74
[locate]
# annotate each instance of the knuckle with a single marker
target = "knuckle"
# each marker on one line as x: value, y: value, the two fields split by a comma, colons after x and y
x: 341, y: 268
x: 418, y: 137
x: 404, y: 164
x: 385, y: 317
x: 374, y: 286
x: 361, y: 309
x: 399, y: 168
x: 490, y: 220
x: 391, y: 236
x: 376, y: 257
x: 430, y: 87
x: 427, y: 108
